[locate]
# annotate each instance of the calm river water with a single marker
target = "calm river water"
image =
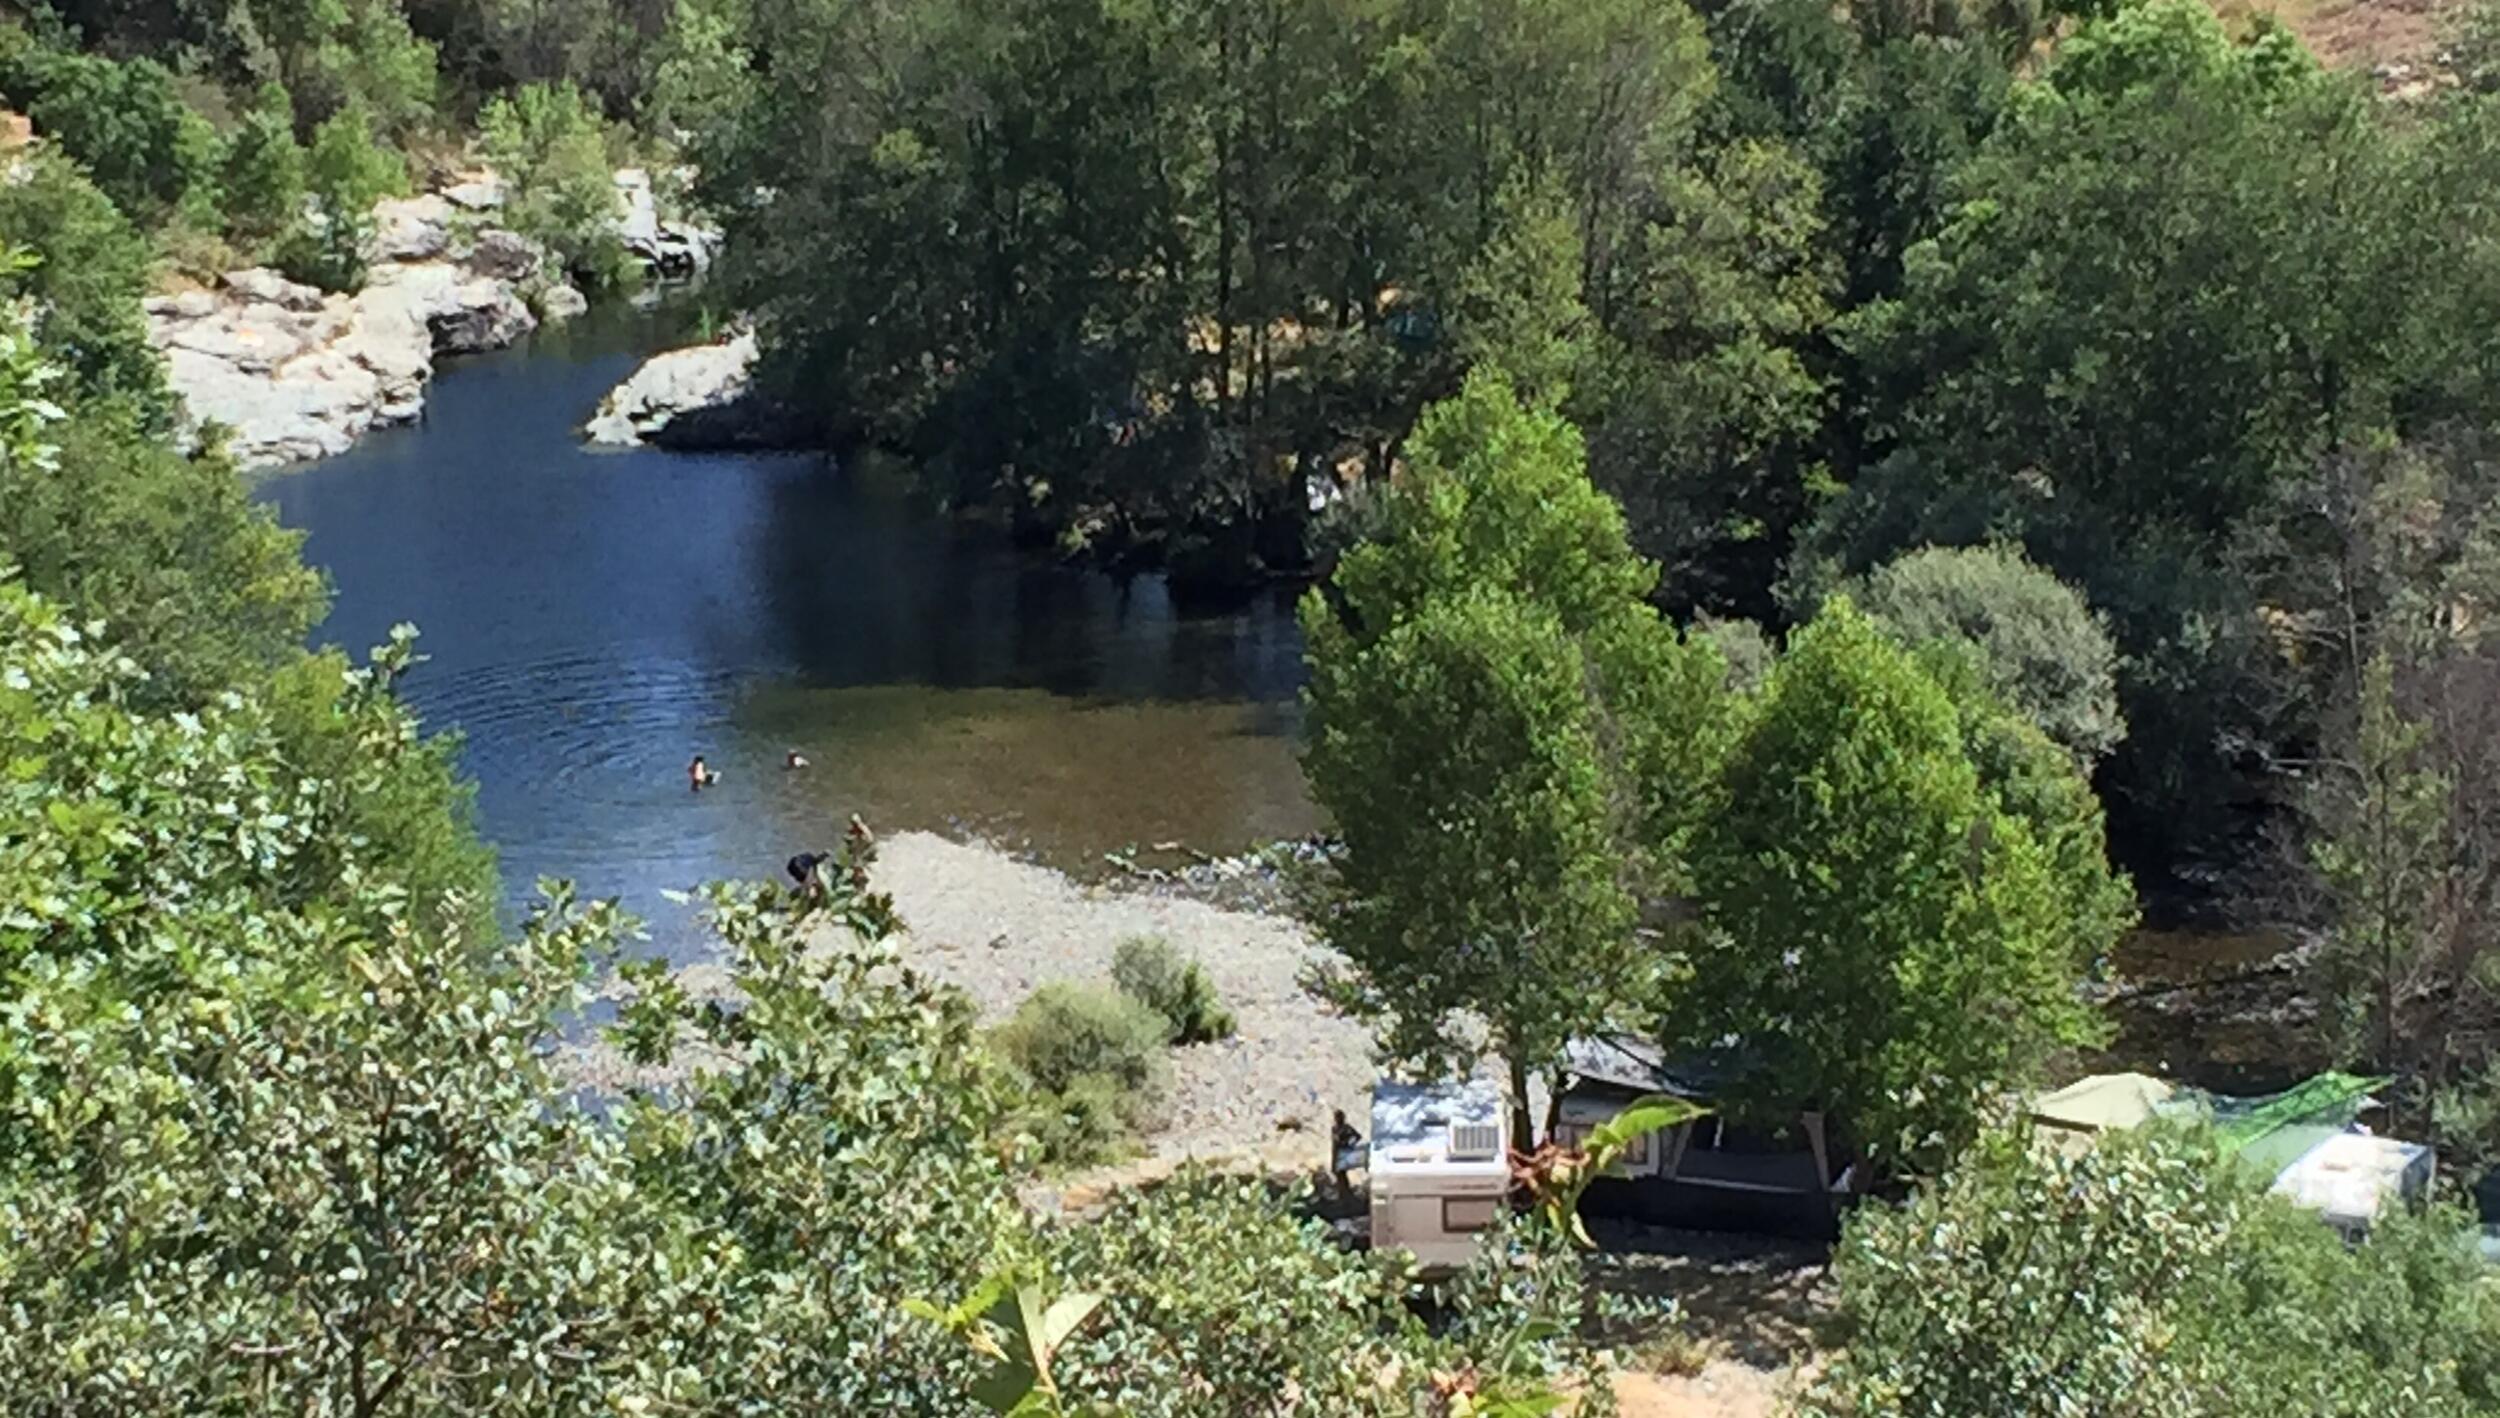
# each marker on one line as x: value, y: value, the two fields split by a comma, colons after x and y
x: 596, y: 618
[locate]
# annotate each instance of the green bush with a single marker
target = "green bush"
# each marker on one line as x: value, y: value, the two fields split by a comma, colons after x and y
x: 123, y: 121
x: 1066, y: 1032
x: 91, y: 268
x: 1150, y: 971
x: 347, y: 172
x: 1085, y: 1124
x: 552, y: 149
x: 264, y: 169
x: 2150, y: 1276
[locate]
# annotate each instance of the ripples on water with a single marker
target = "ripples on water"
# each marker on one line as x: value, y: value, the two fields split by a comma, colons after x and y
x: 595, y: 618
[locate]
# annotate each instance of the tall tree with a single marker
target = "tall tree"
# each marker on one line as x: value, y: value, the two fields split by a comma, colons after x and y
x: 1884, y: 938
x: 1511, y: 741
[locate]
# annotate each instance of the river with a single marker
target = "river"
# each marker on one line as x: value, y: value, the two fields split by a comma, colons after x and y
x: 595, y: 618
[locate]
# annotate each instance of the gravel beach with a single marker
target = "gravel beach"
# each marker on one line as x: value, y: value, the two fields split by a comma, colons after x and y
x: 998, y: 927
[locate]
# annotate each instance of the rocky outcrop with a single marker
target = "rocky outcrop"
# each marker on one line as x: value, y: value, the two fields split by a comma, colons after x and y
x: 292, y: 373
x: 698, y: 398
x: 673, y: 250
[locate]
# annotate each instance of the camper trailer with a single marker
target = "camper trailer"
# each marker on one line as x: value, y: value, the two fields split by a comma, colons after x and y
x: 2349, y: 1178
x: 1438, y: 1169
x: 1714, y: 1173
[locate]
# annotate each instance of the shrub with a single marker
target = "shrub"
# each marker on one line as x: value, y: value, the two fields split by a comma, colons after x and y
x: 1066, y: 1032
x: 552, y: 149
x: 349, y: 172
x: 1149, y: 970
x: 91, y: 268
x: 2039, y: 647
x: 2146, y: 1276
x: 123, y: 121
x: 264, y: 169
x: 1085, y: 1124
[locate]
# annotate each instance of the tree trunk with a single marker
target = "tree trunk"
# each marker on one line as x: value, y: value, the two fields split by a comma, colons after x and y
x: 1522, y: 1127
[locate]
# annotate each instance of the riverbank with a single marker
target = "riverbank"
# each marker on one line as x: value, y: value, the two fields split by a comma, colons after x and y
x: 290, y: 373
x: 998, y: 928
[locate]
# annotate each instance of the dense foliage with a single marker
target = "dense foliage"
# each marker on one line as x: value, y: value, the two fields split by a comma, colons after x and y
x: 2147, y: 1277
x: 1885, y: 935
x: 1509, y: 738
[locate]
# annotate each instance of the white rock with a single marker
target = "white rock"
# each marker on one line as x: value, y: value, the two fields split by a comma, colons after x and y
x: 505, y: 255
x: 262, y: 284
x: 292, y: 374
x: 671, y: 385
x: 411, y: 228
x: 561, y: 302
x: 481, y: 193
x: 187, y: 305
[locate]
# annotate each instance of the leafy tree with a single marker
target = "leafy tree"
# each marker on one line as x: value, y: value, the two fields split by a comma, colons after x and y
x: 1510, y: 740
x: 551, y: 149
x: 2372, y: 566
x: 264, y: 169
x: 271, y: 1133
x: 1706, y: 406
x: 2039, y: 648
x: 89, y: 269
x: 346, y: 172
x: 1881, y: 935
x: 201, y: 585
x: 123, y: 121
x: 336, y: 55
x: 2061, y: 370
x: 2146, y: 1277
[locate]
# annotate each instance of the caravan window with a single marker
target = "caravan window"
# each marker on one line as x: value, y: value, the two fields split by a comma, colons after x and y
x: 1468, y: 1213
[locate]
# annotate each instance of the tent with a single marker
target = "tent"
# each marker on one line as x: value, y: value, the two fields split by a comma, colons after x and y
x: 2072, y: 1116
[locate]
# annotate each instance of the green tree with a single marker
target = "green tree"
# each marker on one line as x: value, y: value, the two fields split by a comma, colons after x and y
x: 272, y: 1135
x: 2146, y: 1277
x: 2372, y: 567
x: 2060, y: 370
x: 346, y: 172
x: 123, y: 121
x: 1881, y: 935
x: 2039, y: 647
x: 203, y: 588
x: 1707, y: 404
x: 1510, y: 740
x: 551, y: 149
x: 89, y: 270
x: 264, y: 169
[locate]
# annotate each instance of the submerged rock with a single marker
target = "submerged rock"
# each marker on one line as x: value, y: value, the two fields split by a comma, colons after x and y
x: 697, y: 398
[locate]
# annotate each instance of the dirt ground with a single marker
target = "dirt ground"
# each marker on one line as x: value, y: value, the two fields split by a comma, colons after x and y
x: 1760, y: 1309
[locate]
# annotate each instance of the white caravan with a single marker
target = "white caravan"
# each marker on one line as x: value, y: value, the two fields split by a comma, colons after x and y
x: 1438, y: 1170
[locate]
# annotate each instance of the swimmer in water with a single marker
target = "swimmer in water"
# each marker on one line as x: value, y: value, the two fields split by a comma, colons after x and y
x: 794, y: 759
x: 700, y: 776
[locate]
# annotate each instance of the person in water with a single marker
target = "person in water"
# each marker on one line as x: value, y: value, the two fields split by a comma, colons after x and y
x: 699, y: 775
x: 795, y: 759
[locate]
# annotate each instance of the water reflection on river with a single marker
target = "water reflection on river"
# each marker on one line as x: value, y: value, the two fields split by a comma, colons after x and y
x: 596, y: 618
